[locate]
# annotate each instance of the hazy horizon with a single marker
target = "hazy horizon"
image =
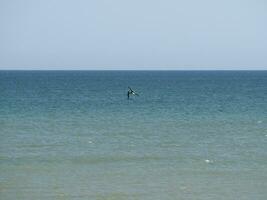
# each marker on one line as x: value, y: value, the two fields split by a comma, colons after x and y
x: 137, y: 69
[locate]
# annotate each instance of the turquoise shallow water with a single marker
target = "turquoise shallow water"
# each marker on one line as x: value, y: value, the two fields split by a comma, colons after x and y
x: 189, y: 135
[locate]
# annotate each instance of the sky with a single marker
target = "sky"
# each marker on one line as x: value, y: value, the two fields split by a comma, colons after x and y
x: 133, y: 34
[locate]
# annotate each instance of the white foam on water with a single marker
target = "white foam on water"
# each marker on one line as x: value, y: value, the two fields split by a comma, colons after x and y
x: 183, y: 188
x: 259, y: 122
x: 208, y: 161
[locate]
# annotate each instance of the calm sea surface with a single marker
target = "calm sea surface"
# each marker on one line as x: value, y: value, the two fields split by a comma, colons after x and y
x: 188, y: 135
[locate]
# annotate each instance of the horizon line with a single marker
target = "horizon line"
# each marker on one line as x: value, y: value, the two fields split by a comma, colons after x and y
x: 133, y: 69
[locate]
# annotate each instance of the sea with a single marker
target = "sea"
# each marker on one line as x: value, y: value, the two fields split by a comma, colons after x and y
x: 188, y: 135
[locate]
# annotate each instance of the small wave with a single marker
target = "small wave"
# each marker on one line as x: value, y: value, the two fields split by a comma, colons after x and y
x: 38, y: 145
x: 110, y: 159
x: 208, y: 161
x: 169, y: 145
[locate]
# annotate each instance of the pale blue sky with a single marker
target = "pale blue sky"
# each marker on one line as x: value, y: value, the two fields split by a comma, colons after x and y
x: 133, y: 34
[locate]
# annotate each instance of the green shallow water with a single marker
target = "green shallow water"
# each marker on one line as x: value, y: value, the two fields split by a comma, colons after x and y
x: 189, y: 135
